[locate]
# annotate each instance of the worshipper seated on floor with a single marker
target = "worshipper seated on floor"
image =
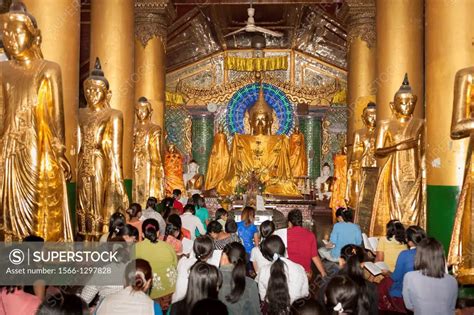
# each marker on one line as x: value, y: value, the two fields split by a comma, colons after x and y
x: 151, y: 212
x: 391, y: 287
x: 221, y: 216
x: 209, y: 307
x: 392, y: 244
x: 238, y: 292
x: 133, y: 299
x: 116, y: 219
x: 258, y: 261
x: 203, y: 248
x: 173, y: 234
x: 177, y: 204
x: 191, y: 222
x: 201, y: 212
x: 344, y: 232
x: 204, y: 283
x: 231, y: 228
x: 283, y: 281
x: 135, y: 213
x: 220, y: 237
x: 342, y: 296
x: 302, y: 245
x: 430, y: 290
x: 247, y: 230
x: 14, y: 300
x: 163, y: 261
x: 307, y: 307
x: 64, y: 303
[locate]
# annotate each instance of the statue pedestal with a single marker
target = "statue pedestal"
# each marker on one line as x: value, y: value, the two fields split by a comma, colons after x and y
x: 366, y: 198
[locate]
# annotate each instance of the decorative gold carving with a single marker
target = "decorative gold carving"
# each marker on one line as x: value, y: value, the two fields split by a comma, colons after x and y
x: 326, y: 145
x: 320, y: 95
x: 360, y: 20
x: 188, y: 134
x: 152, y: 18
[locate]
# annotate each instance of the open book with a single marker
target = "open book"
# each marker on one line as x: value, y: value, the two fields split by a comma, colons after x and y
x: 187, y: 246
x: 370, y: 243
x: 376, y: 268
x: 215, y: 259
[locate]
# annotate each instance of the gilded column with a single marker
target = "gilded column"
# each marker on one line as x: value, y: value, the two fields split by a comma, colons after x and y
x: 151, y: 20
x: 59, y: 21
x: 399, y: 26
x: 112, y: 33
x: 449, y: 32
x: 360, y: 20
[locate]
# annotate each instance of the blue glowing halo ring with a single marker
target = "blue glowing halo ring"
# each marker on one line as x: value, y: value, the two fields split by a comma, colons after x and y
x: 247, y: 96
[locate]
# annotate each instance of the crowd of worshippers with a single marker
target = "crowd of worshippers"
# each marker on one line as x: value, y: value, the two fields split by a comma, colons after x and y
x: 189, y: 263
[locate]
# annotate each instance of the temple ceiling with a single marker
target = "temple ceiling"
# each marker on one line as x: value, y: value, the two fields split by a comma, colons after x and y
x: 311, y: 27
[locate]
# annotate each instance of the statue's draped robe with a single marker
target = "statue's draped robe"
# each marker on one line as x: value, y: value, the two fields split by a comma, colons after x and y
x: 33, y: 196
x: 268, y: 156
x: 400, y: 190
x: 461, y: 249
x: 340, y: 180
x: 100, y: 188
x: 148, y: 173
x: 218, y: 162
x: 173, y: 173
x: 298, y: 158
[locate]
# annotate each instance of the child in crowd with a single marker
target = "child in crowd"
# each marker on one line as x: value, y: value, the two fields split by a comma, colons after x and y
x: 222, y: 216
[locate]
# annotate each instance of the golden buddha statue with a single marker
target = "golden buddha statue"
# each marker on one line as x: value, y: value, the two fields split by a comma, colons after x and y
x: 193, y: 179
x: 298, y: 158
x: 338, y: 195
x: 461, y: 247
x: 218, y: 160
x: 400, y: 192
x: 100, y: 187
x: 148, y: 173
x: 362, y: 155
x: 260, y: 154
x: 173, y: 170
x: 33, y: 166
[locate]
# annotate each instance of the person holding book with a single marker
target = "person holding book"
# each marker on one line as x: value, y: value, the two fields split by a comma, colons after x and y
x: 391, y: 245
x: 344, y: 232
x: 390, y: 288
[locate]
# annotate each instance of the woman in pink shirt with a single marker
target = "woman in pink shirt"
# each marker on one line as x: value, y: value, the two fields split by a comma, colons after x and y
x: 16, y: 301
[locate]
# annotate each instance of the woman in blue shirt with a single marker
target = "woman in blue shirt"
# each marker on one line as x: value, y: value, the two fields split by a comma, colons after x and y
x: 390, y: 289
x: 343, y: 233
x: 201, y: 212
x: 248, y: 231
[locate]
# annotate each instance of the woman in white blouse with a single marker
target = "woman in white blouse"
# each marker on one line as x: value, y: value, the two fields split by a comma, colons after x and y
x: 266, y: 229
x: 274, y: 281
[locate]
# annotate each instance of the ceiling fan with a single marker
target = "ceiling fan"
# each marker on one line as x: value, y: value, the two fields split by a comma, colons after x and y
x: 251, y: 27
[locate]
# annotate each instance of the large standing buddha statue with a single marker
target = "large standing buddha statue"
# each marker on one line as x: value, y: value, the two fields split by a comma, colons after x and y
x: 260, y: 155
x: 400, y: 190
x: 461, y: 248
x: 33, y: 166
x: 100, y: 187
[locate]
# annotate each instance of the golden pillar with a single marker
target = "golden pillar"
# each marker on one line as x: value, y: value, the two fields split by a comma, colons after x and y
x: 399, y: 25
x: 449, y: 32
x: 361, y: 61
x: 112, y: 29
x: 59, y: 22
x: 151, y: 21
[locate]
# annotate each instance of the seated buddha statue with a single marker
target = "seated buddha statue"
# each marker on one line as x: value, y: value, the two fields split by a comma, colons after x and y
x: 173, y: 170
x: 324, y: 183
x: 193, y: 180
x: 265, y: 155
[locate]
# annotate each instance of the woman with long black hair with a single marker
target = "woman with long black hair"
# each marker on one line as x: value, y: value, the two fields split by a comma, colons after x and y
x: 204, y: 283
x: 266, y: 229
x: 277, y: 289
x: 239, y: 293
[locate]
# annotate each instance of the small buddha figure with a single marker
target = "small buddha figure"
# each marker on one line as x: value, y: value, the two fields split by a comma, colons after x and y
x: 148, y: 173
x: 100, y: 188
x: 33, y: 165
x: 173, y: 170
x: 260, y: 116
x: 400, y: 194
x: 298, y: 158
x: 218, y: 161
x: 362, y: 155
x: 339, y: 181
x: 194, y: 181
x: 324, y: 183
x: 461, y: 247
